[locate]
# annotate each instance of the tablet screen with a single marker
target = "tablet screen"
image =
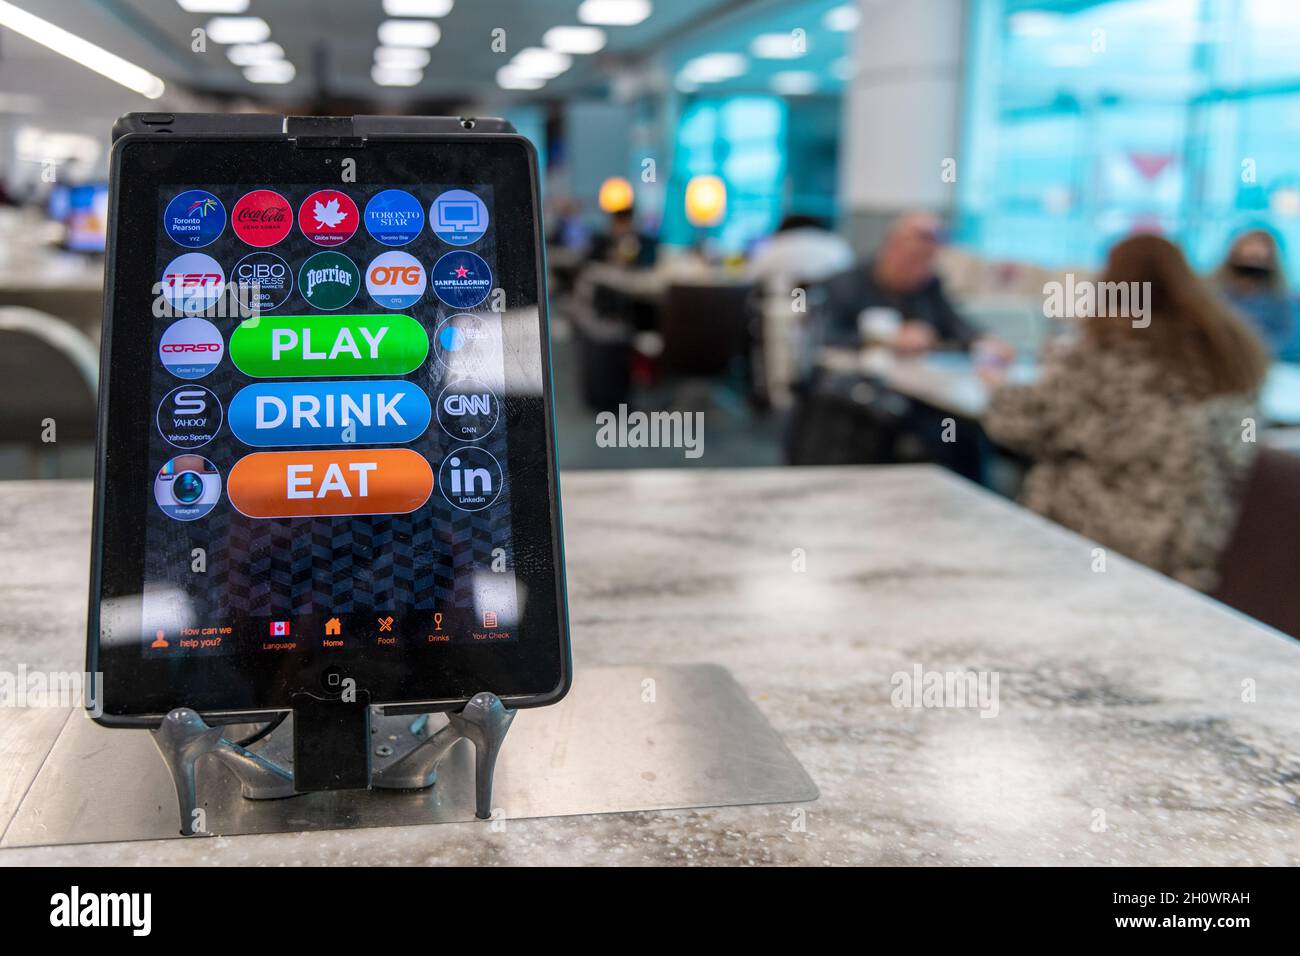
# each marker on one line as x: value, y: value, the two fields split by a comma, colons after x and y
x: 329, y: 449
x: 327, y: 385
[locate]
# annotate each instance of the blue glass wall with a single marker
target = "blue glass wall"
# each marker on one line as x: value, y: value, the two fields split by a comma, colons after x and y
x: 1085, y: 121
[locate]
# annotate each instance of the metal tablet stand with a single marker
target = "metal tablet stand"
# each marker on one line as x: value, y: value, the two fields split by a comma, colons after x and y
x: 334, y: 753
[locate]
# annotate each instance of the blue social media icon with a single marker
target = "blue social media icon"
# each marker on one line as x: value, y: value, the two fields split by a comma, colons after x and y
x: 461, y: 279
x: 458, y: 217
x: 194, y: 218
x: 394, y: 217
x: 387, y: 412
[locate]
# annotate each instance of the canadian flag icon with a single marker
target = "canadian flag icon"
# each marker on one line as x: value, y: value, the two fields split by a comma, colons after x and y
x: 279, y: 628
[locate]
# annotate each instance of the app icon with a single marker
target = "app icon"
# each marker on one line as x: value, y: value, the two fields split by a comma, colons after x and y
x: 318, y: 484
x: 191, y: 348
x: 261, y: 218
x: 329, y: 280
x: 311, y: 346
x: 467, y: 410
x: 464, y: 342
x: 489, y: 619
x: 370, y: 412
x: 328, y: 217
x: 192, y: 282
x: 461, y: 279
x: 189, y: 416
x: 395, y: 280
x: 333, y: 627
x: 385, y: 623
x: 279, y: 628
x: 470, y: 479
x: 458, y: 217
x: 263, y: 282
x: 187, y: 487
x: 394, y: 217
x: 194, y: 218
x: 160, y: 640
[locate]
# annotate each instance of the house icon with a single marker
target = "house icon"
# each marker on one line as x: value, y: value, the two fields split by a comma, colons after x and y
x: 332, y: 627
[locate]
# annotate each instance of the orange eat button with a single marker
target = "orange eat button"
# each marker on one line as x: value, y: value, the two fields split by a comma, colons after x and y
x: 314, y: 484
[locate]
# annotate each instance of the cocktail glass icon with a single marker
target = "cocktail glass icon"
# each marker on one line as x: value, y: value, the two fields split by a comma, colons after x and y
x: 437, y: 620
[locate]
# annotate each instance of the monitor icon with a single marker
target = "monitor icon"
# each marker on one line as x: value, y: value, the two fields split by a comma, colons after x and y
x: 458, y: 217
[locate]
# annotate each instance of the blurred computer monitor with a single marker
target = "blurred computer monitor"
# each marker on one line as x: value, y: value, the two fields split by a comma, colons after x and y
x: 85, y: 217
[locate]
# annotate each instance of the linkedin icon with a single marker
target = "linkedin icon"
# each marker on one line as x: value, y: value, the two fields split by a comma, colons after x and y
x: 467, y: 410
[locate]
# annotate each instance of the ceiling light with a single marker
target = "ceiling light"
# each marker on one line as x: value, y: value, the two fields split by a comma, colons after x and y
x: 423, y: 33
x: 280, y: 71
x: 713, y: 67
x: 402, y: 57
x: 418, y: 8
x: 574, y: 39
x: 540, y: 62
x: 775, y: 46
x: 253, y: 54
x: 213, y: 6
x: 842, y: 19
x: 614, y: 13
x: 395, y: 76
x: 82, y: 51
x: 794, y: 82
x: 237, y: 30
x: 509, y: 78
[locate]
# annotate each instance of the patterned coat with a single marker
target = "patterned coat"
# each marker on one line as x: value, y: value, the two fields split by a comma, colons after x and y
x: 1126, y: 452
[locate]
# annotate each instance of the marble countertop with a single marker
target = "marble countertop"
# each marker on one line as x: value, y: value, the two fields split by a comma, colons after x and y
x: 1137, y: 722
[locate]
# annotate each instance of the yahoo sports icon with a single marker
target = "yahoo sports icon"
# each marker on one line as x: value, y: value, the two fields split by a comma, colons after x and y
x: 458, y: 217
x: 191, y: 348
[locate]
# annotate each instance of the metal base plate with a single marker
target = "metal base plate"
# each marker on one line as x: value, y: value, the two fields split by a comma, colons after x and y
x: 616, y: 744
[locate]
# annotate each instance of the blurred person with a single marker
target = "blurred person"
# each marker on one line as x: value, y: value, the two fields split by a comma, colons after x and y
x: 1135, y: 431
x: 896, y: 297
x: 564, y: 229
x: 1252, y: 278
x: 622, y: 243
x: 801, y: 249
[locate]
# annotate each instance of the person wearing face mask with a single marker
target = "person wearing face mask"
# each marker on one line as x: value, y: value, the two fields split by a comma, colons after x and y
x: 1253, y: 281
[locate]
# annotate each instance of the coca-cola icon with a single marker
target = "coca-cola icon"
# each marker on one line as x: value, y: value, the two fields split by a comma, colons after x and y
x: 262, y: 218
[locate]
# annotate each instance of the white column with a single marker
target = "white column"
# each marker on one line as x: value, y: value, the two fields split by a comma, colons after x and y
x: 901, y: 113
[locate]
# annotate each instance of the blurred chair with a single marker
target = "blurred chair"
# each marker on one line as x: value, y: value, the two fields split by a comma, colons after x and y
x: 48, y: 371
x: 707, y: 334
x: 1258, y: 568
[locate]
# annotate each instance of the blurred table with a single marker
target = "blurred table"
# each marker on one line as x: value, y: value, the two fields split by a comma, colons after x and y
x: 65, y: 285
x: 1121, y: 735
x: 948, y: 381
x: 649, y: 286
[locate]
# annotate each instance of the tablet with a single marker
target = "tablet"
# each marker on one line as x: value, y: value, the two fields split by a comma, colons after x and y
x: 326, y: 452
